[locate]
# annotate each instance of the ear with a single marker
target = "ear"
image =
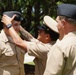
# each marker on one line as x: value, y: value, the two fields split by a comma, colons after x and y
x: 47, y: 36
x: 63, y: 22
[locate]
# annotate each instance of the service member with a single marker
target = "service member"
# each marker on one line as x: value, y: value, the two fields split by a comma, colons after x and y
x: 62, y: 60
x: 47, y: 34
x: 11, y: 56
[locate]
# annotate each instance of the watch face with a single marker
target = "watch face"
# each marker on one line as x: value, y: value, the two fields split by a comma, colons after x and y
x: 9, y: 25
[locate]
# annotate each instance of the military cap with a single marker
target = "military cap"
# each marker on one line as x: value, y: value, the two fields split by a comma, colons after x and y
x: 68, y: 10
x: 11, y: 13
x: 51, y: 23
x: 43, y: 27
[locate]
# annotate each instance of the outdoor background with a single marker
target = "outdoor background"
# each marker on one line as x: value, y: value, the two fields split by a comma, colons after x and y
x: 32, y: 12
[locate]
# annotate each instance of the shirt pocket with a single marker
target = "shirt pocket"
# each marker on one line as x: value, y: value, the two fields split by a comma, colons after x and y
x: 9, y: 50
x: 9, y: 53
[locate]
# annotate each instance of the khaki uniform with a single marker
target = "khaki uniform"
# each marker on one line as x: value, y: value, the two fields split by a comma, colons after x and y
x: 62, y: 57
x: 39, y: 50
x: 11, y: 57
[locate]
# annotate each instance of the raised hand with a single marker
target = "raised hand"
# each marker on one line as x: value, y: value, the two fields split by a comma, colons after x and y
x: 7, y: 20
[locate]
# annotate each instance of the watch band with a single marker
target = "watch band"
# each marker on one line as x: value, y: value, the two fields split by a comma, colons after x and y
x: 9, y: 26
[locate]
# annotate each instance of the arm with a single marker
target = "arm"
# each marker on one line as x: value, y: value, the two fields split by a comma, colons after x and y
x: 25, y: 35
x: 38, y: 50
x: 16, y: 38
x: 55, y: 62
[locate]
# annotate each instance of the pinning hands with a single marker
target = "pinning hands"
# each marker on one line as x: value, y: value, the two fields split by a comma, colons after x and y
x: 7, y: 20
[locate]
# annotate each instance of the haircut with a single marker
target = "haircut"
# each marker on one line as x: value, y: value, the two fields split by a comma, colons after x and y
x: 69, y: 20
x: 54, y: 36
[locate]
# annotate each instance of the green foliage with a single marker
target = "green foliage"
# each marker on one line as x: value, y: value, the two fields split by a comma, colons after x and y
x: 32, y: 11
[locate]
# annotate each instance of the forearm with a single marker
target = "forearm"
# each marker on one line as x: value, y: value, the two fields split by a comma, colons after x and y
x: 25, y: 35
x: 16, y: 38
x: 12, y: 33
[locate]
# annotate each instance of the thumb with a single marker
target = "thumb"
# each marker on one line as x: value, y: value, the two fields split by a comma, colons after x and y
x: 13, y: 17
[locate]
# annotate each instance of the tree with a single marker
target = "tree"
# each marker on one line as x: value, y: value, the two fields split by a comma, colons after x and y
x: 32, y: 11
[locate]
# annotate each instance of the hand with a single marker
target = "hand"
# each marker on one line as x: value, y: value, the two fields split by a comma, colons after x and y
x: 7, y: 20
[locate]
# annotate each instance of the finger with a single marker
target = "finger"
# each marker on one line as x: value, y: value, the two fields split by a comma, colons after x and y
x: 3, y: 19
x: 13, y: 17
x: 5, y: 16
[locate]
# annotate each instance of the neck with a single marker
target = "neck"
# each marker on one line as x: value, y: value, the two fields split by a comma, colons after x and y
x: 61, y: 36
x: 70, y: 28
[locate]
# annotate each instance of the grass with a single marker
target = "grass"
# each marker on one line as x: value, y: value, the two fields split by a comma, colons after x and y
x: 30, y: 63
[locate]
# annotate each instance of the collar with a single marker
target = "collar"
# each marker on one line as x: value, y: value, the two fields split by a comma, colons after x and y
x: 5, y: 37
x: 70, y: 34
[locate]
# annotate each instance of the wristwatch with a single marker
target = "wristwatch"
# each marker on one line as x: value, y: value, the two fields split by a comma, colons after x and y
x: 9, y: 26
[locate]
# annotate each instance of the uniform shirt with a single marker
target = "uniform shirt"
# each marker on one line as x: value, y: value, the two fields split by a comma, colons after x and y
x: 39, y: 50
x: 62, y: 59
x: 11, y: 57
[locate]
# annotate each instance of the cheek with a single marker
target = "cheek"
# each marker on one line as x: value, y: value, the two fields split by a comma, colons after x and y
x: 40, y: 35
x: 59, y: 26
x: 17, y: 28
